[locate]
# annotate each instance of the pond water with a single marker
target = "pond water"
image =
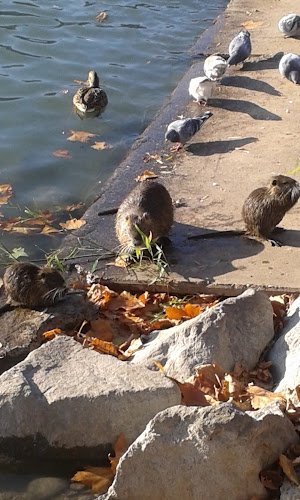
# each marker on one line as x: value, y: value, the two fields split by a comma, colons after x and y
x: 140, y: 51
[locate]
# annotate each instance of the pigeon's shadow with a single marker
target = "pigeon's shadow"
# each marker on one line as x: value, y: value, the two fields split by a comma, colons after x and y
x: 269, y: 63
x: 246, y: 82
x: 256, y: 112
x: 218, y: 147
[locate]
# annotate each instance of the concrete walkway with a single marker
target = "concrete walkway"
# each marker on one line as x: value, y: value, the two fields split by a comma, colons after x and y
x: 253, y: 133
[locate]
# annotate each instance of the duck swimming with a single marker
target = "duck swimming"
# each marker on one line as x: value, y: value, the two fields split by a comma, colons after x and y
x: 91, y: 97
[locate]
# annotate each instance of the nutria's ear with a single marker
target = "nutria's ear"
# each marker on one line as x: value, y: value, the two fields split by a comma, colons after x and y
x: 274, y: 182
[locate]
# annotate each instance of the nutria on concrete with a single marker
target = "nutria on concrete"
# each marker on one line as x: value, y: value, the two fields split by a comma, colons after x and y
x: 149, y: 207
x: 32, y: 286
x: 263, y: 209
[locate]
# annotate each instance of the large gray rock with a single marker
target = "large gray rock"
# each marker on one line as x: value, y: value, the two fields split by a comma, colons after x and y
x: 65, y: 396
x: 236, y: 329
x: 212, y: 453
x: 285, y: 354
x: 289, y: 491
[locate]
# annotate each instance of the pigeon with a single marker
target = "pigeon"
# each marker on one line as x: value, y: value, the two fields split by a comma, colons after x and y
x: 290, y: 25
x: 239, y: 48
x: 289, y: 66
x: 201, y: 89
x: 181, y: 131
x: 214, y: 67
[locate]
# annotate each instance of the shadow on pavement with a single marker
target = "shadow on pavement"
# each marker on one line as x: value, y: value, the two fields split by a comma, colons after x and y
x: 246, y: 82
x: 269, y: 63
x: 240, y: 106
x: 218, y: 147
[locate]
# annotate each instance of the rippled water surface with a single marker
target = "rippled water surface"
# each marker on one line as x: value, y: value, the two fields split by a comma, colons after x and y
x: 139, y: 52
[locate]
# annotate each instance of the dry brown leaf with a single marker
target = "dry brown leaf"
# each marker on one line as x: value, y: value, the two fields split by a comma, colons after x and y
x: 252, y: 25
x: 288, y: 469
x: 175, y: 313
x: 192, y: 310
x: 71, y: 208
x: 49, y: 230
x: 39, y: 221
x: 72, y: 224
x: 6, y: 192
x: 120, y: 447
x: 121, y: 261
x: 52, y: 333
x: 261, y: 397
x: 101, y: 145
x: 108, y: 348
x: 26, y: 230
x: 101, y: 16
x: 77, y: 136
x: 101, y: 329
x: 62, y: 153
x: 149, y: 157
x: 191, y: 395
x: 98, y: 479
x: 146, y: 175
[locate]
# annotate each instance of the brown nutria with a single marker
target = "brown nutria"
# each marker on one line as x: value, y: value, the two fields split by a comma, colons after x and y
x: 32, y: 286
x: 149, y: 207
x: 264, y: 208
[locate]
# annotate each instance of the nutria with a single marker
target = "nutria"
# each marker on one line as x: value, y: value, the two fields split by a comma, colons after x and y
x: 264, y: 208
x: 32, y: 286
x: 149, y: 207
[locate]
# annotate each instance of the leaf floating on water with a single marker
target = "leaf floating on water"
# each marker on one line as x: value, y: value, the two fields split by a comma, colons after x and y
x: 49, y: 230
x: 147, y: 174
x: 101, y: 16
x: 77, y: 136
x: 18, y: 252
x: 6, y: 192
x: 70, y: 208
x: 252, y: 25
x: 288, y: 469
x: 26, y: 230
x: 62, y: 153
x: 101, y: 145
x: 73, y: 224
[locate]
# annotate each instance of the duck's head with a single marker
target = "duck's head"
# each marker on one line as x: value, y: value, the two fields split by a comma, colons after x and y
x: 93, y: 79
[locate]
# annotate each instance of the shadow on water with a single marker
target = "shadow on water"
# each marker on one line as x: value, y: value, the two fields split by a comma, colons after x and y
x: 218, y: 147
x: 269, y: 63
x: 246, y: 82
x: 240, y: 106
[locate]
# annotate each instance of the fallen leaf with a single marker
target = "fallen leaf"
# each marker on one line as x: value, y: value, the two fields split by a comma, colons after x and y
x: 108, y: 348
x: 73, y: 224
x: 192, y: 310
x: 146, y: 175
x: 18, y: 252
x: 251, y: 25
x: 121, y: 261
x: 101, y: 16
x: 49, y: 230
x: 191, y: 395
x: 62, y: 153
x: 6, y: 192
x: 149, y: 157
x: 26, y: 230
x: 288, y: 469
x: 101, y: 145
x: 51, y: 334
x: 71, y: 208
x: 98, y: 479
x: 120, y: 447
x: 77, y: 136
x: 261, y: 397
x: 175, y: 312
x: 100, y: 329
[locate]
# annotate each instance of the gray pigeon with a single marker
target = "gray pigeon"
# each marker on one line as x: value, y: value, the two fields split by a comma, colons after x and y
x: 290, y: 25
x: 239, y: 48
x: 181, y: 131
x: 289, y: 66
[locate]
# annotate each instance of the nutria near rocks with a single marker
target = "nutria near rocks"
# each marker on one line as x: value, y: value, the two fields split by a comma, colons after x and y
x: 264, y: 208
x: 149, y: 207
x: 32, y: 286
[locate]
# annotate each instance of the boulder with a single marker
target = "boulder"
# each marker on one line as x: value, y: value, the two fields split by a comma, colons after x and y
x: 289, y: 491
x: 66, y: 401
x: 214, y: 453
x: 21, y: 330
x: 285, y: 354
x: 239, y: 328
